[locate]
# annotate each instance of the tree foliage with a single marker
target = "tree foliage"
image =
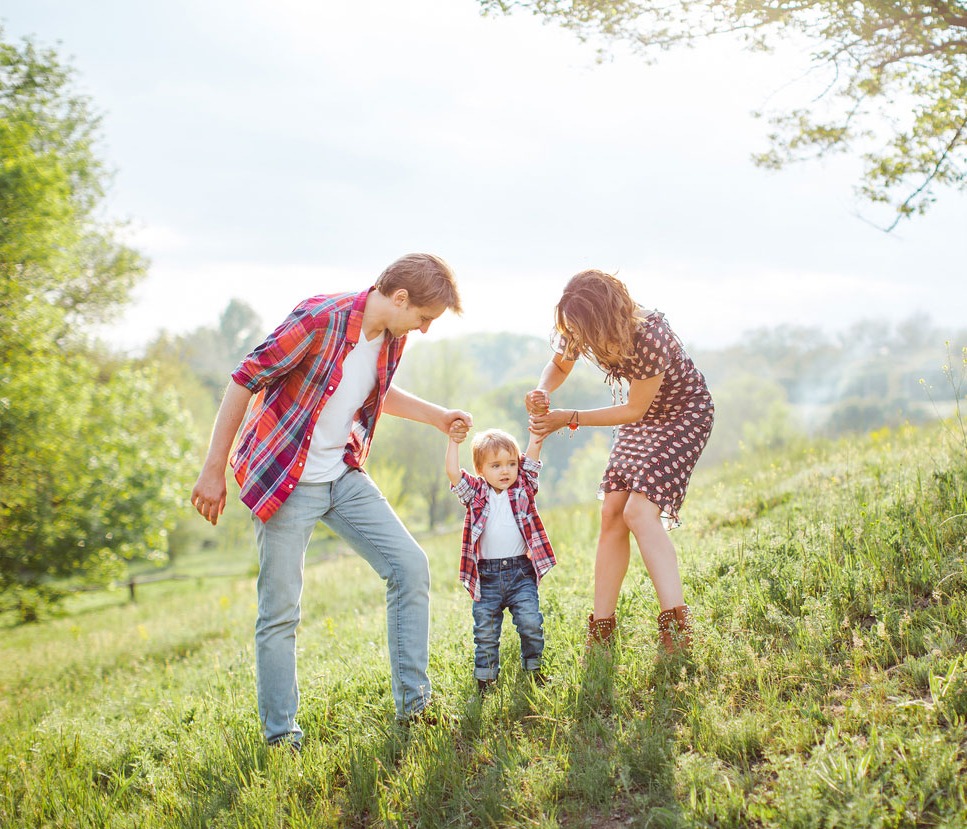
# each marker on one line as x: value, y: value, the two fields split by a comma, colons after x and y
x: 92, y: 451
x: 889, y: 77
x: 54, y: 245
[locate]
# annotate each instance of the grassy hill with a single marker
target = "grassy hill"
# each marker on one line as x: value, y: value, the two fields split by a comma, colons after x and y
x: 828, y: 685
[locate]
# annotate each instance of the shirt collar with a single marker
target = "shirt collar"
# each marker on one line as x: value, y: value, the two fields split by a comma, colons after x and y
x: 356, y: 316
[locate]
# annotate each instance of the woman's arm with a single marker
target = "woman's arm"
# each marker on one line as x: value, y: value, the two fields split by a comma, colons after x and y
x: 554, y: 374
x: 641, y: 393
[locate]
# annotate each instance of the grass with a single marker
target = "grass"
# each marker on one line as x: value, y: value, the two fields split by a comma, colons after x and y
x: 828, y: 685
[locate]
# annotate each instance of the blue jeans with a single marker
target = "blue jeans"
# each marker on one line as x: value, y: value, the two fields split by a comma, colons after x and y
x: 353, y: 507
x: 506, y: 583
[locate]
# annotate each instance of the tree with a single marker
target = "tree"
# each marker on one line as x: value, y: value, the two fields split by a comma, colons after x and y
x: 92, y: 452
x: 53, y: 244
x: 891, y: 77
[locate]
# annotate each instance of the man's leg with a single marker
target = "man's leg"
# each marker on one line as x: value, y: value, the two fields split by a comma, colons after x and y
x: 282, y: 542
x: 364, y: 518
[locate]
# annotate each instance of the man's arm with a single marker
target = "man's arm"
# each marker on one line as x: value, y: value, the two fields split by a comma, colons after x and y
x: 400, y: 403
x: 210, y: 492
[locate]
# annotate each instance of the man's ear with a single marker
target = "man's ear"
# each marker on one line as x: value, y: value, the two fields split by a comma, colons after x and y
x: 400, y: 297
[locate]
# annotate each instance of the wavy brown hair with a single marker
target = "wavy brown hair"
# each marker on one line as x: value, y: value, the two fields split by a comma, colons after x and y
x: 597, y: 318
x: 427, y: 279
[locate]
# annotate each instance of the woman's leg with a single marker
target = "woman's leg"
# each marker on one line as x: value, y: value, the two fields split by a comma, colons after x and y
x: 643, y: 518
x: 614, y: 551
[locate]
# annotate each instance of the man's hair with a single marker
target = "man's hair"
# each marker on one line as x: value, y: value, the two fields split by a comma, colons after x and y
x: 490, y: 443
x: 597, y: 316
x: 427, y: 279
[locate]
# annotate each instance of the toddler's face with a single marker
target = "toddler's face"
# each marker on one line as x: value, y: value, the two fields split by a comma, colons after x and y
x: 499, y: 469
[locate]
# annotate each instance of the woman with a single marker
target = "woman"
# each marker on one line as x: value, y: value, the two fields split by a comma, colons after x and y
x: 663, y: 425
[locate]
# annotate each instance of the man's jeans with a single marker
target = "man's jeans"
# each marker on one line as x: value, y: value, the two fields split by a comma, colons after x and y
x: 353, y: 507
x: 506, y: 583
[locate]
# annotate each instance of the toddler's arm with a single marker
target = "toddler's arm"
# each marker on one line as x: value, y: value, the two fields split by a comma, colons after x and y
x: 458, y: 433
x: 534, y: 445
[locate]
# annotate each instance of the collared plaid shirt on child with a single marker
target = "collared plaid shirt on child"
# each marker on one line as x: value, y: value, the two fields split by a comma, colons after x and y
x: 473, y: 494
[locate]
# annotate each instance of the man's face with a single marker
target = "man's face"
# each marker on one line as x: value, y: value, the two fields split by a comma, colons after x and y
x: 410, y: 317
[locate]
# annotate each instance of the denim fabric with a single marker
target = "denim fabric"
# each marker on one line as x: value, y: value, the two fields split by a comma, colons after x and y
x: 506, y: 583
x: 353, y: 507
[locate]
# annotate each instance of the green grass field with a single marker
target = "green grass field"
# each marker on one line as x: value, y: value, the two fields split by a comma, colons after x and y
x: 828, y: 684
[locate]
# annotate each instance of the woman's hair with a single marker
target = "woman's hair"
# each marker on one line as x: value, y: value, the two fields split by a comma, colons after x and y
x: 427, y: 278
x: 597, y: 318
x: 490, y: 443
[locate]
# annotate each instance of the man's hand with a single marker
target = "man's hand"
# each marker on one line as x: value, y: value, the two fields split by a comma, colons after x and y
x: 459, y: 430
x: 452, y: 417
x: 209, y: 496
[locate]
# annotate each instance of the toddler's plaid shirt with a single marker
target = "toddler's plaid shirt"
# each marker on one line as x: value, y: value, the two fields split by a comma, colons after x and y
x: 474, y: 495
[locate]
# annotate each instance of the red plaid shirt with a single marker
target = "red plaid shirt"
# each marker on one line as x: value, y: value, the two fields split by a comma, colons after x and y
x: 474, y: 495
x: 293, y: 373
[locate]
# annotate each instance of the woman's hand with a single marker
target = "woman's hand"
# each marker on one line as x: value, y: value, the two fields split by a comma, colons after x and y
x: 538, y: 402
x: 544, y: 424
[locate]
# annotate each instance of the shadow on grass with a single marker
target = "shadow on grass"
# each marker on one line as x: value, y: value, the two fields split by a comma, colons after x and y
x: 622, y: 744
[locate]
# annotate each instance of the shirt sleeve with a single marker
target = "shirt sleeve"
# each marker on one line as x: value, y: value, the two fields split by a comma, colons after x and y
x: 283, y: 349
x: 466, y: 488
x: 529, y: 470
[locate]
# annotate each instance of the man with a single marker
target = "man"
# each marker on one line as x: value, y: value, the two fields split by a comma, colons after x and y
x: 320, y: 382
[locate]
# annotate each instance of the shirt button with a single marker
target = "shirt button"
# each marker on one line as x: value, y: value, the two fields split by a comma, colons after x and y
x: 290, y: 486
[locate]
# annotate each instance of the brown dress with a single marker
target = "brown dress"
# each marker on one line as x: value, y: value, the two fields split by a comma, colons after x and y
x: 656, y: 455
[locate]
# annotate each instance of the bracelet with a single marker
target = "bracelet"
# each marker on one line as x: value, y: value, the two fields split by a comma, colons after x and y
x: 575, y: 422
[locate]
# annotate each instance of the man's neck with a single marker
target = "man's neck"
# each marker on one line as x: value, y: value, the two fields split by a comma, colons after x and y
x: 376, y: 314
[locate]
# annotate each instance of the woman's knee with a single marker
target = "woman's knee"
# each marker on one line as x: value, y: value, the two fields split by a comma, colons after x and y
x: 613, y: 518
x: 640, y: 512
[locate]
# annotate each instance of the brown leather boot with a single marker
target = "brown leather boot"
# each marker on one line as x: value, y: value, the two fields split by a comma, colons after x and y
x: 675, y: 629
x: 600, y: 631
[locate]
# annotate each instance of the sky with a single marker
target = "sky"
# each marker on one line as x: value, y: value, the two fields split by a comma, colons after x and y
x: 270, y: 150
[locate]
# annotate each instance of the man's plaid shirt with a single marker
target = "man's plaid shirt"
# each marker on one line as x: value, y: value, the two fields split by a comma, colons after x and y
x: 474, y: 495
x: 293, y: 373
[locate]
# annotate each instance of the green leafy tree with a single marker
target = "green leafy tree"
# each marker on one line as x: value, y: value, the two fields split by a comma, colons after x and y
x: 92, y: 452
x: 53, y: 243
x: 891, y: 77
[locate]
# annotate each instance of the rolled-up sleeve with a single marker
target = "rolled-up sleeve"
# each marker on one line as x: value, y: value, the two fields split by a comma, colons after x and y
x: 465, y: 488
x: 283, y: 349
x: 530, y: 469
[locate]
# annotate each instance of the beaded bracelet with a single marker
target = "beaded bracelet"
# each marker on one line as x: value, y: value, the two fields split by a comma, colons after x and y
x: 574, y: 423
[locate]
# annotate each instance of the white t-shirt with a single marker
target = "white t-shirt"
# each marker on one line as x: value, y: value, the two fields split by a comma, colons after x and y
x: 325, y: 462
x: 501, y: 537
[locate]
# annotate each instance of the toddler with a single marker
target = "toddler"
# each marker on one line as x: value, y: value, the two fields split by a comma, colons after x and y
x: 505, y: 549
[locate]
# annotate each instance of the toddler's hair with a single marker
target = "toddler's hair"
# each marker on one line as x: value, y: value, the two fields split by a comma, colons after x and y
x: 489, y: 443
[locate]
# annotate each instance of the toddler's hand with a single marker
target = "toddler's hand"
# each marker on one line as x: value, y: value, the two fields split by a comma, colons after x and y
x: 458, y: 431
x: 537, y: 402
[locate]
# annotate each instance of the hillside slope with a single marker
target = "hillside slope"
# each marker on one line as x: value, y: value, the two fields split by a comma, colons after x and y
x: 828, y: 684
